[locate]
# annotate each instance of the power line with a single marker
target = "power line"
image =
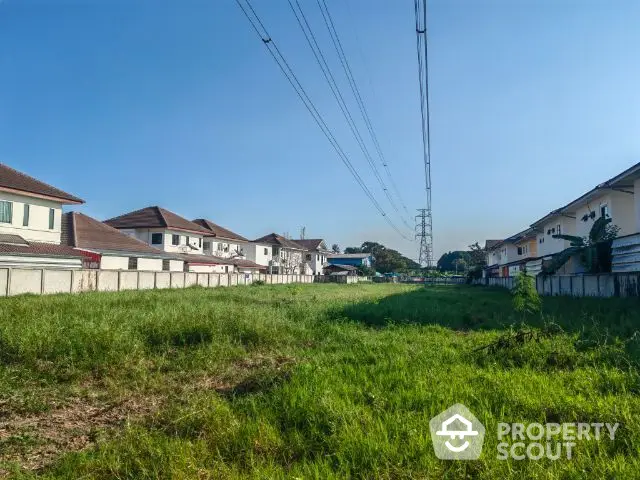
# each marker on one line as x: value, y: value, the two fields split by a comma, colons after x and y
x: 335, y: 90
x: 308, y: 103
x: 335, y: 38
x: 420, y: 10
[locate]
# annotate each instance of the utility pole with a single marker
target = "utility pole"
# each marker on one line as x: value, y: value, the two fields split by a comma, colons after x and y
x: 423, y: 233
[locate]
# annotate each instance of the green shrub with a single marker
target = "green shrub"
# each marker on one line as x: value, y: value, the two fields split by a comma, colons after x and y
x: 525, y: 295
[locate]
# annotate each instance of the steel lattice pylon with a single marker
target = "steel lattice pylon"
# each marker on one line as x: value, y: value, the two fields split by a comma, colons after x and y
x: 423, y: 233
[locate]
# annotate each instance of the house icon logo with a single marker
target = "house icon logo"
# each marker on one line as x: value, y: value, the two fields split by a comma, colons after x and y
x: 457, y: 434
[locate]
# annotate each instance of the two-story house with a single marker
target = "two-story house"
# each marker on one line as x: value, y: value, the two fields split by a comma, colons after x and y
x: 316, y: 253
x: 286, y: 255
x: 172, y: 233
x: 30, y: 222
x: 107, y: 248
x: 223, y: 243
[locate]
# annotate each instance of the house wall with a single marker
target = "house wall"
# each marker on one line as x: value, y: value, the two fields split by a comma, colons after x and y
x: 621, y: 210
x: 546, y: 244
x: 225, y: 248
x: 145, y: 235
x: 176, y: 265
x: 211, y: 268
x: 636, y: 205
x: 256, y: 253
x: 150, y: 264
x: 315, y: 259
x: 114, y: 263
x: 507, y: 252
x: 38, y: 228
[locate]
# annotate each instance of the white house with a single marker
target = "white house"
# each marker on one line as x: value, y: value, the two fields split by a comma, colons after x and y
x: 172, y: 233
x: 286, y: 255
x: 30, y: 222
x: 107, y: 248
x: 316, y: 253
x: 222, y: 242
x: 162, y: 229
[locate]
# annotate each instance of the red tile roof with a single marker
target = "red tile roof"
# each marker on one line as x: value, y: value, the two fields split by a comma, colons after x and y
x: 155, y: 217
x: 219, y: 231
x: 13, y: 180
x: 39, y: 250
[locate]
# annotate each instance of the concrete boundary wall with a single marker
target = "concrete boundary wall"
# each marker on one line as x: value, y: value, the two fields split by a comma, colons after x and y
x: 17, y: 281
x: 602, y: 285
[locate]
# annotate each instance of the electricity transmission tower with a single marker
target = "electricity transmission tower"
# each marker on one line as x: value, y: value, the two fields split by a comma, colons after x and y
x: 423, y: 233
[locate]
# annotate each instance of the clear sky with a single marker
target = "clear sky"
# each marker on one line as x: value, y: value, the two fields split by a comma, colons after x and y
x: 177, y: 103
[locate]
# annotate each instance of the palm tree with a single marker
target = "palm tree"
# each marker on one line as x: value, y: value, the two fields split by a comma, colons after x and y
x: 594, y: 250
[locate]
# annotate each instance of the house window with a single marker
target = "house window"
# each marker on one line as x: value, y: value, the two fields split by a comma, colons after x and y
x: 200, y: 242
x: 188, y: 240
x: 219, y: 247
x: 156, y: 239
x: 558, y: 229
x: 266, y: 251
x: 207, y: 246
x: 604, y: 211
x: 25, y: 216
x: 175, y: 239
x: 52, y: 218
x: 520, y: 251
x: 6, y: 212
x: 308, y: 257
x: 166, y: 265
x: 133, y: 263
x: 226, y: 269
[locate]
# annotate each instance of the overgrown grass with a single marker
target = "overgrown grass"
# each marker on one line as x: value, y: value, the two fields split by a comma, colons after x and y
x: 316, y: 381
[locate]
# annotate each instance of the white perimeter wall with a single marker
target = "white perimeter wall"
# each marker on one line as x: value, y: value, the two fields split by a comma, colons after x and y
x: 16, y: 281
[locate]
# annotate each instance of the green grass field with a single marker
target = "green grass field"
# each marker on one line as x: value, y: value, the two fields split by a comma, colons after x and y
x: 306, y: 382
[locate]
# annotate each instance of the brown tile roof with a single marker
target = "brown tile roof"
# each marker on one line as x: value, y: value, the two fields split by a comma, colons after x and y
x: 155, y: 217
x: 82, y: 231
x: 13, y: 180
x: 311, y: 243
x: 275, y: 239
x: 37, y: 249
x: 219, y: 231
x: 12, y: 239
x: 239, y: 262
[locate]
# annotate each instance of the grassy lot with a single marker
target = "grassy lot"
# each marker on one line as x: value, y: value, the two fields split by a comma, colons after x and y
x: 313, y: 381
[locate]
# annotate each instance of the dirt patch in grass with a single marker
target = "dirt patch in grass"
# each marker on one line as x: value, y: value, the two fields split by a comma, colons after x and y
x: 34, y: 441
x: 37, y: 440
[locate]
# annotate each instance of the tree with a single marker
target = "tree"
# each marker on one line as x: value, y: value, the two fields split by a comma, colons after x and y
x: 385, y: 260
x: 335, y: 248
x: 594, y: 250
x: 477, y: 256
x: 477, y: 261
x: 460, y: 264
x: 447, y: 261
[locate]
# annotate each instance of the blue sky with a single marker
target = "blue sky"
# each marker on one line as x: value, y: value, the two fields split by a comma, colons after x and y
x: 130, y: 104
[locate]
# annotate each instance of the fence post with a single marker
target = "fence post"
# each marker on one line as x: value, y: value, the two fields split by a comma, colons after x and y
x: 42, y: 281
x: 119, y: 272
